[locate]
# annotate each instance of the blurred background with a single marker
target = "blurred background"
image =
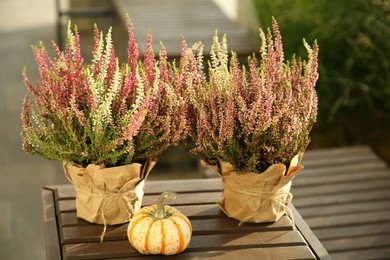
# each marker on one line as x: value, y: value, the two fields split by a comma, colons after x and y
x: 353, y: 89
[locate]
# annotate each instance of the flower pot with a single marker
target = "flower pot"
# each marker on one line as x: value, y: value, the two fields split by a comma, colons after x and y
x: 111, y: 195
x: 256, y: 197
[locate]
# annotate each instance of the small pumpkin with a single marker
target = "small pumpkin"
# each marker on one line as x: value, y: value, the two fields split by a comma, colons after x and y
x: 160, y: 228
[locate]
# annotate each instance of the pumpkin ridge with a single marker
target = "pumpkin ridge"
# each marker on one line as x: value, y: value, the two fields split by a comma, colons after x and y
x: 183, y: 218
x: 146, y: 245
x: 162, y: 238
x: 181, y: 237
x: 130, y: 231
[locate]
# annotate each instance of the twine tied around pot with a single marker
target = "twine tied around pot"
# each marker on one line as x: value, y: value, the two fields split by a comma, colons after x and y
x: 108, y: 196
x: 128, y: 196
x: 257, y: 197
x: 261, y: 198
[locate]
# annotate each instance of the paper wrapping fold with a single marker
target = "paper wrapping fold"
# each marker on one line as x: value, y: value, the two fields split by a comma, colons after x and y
x: 111, y: 195
x: 254, y: 197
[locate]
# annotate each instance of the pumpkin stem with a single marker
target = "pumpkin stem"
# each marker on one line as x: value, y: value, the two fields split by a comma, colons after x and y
x: 161, y: 213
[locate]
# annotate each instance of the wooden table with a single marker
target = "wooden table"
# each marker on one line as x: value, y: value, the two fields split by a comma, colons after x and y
x: 343, y: 195
x: 214, y: 235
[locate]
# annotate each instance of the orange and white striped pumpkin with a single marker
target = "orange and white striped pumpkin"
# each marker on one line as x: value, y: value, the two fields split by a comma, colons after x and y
x: 159, y: 229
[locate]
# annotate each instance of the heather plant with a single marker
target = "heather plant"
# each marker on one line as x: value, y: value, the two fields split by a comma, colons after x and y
x: 165, y: 124
x: 354, y: 87
x: 255, y: 116
x: 101, y: 112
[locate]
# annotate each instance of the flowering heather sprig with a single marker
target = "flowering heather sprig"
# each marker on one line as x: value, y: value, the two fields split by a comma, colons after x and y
x: 101, y: 112
x: 256, y: 116
x: 166, y: 121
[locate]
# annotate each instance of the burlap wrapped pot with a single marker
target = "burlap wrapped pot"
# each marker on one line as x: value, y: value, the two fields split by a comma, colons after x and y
x: 108, y: 196
x: 256, y: 197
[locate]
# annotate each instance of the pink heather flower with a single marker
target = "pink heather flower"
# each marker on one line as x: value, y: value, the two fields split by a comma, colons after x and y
x: 132, y: 49
x: 256, y: 116
x: 102, y: 111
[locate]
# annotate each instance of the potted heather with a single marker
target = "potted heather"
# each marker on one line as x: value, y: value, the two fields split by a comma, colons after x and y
x: 107, y: 122
x: 252, y: 124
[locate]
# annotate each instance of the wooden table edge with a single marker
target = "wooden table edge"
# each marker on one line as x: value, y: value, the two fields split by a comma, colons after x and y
x: 50, y: 225
x: 310, y: 238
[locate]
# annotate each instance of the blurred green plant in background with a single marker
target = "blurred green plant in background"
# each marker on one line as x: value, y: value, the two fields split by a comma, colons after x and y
x: 354, y: 64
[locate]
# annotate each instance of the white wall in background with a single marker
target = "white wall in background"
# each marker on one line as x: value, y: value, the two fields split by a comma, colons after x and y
x: 229, y: 7
x: 22, y: 14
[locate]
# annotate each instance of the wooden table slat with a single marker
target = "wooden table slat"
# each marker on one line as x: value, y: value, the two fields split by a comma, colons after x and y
x: 341, y: 188
x: 191, y: 211
x: 338, y: 152
x: 349, y: 231
x: 76, y: 234
x: 67, y: 192
x: 363, y: 253
x: 334, y: 170
x: 340, y: 209
x: 358, y: 243
x: 344, y: 198
x: 342, y: 177
x: 218, y: 242
x: 195, y: 185
x: 349, y: 219
x: 194, y: 213
x: 269, y: 253
x: 182, y: 199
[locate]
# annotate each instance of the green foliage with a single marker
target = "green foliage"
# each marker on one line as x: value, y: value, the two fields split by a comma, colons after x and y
x: 354, y: 61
